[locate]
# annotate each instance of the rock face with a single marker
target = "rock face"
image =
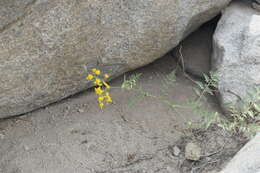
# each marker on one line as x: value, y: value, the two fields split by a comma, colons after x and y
x: 236, y: 52
x: 247, y: 159
x: 47, y: 46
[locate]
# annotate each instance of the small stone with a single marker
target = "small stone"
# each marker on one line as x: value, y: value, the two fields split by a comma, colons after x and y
x: 26, y: 148
x: 192, y: 151
x: 80, y: 110
x: 176, y: 151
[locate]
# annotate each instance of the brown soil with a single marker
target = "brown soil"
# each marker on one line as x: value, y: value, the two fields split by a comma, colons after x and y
x: 131, y: 136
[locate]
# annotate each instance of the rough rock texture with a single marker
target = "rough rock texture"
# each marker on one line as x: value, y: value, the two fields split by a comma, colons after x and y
x: 236, y: 52
x: 194, y: 52
x: 247, y: 160
x: 12, y: 10
x: 46, y: 45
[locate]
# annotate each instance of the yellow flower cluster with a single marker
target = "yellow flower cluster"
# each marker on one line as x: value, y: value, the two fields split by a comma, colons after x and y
x: 102, y: 88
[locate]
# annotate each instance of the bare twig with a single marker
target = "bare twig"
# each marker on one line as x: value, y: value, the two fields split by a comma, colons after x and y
x: 183, y: 66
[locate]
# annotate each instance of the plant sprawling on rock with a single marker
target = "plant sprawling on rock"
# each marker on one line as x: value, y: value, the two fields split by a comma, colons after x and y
x: 244, y: 115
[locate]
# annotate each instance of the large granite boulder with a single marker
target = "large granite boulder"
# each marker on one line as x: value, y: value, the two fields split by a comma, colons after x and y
x: 47, y: 46
x: 236, y: 52
x: 247, y: 160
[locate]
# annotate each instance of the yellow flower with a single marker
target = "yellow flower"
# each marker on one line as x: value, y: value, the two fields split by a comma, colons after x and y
x: 107, y: 94
x: 97, y: 82
x: 106, y: 76
x: 97, y: 72
x: 106, y: 85
x: 100, y: 98
x: 101, y: 104
x: 108, y: 98
x: 94, y: 70
x: 90, y: 77
x: 98, y: 91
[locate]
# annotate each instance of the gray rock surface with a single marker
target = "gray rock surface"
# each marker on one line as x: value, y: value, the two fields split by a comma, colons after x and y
x: 46, y: 45
x: 236, y: 52
x: 12, y: 10
x: 247, y: 159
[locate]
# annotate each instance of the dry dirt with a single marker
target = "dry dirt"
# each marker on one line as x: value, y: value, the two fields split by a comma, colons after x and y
x: 130, y: 136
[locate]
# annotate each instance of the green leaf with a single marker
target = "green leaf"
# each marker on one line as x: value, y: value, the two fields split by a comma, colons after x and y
x: 200, y: 84
x: 206, y: 77
x: 250, y: 113
x: 197, y: 91
x: 131, y: 82
x: 254, y: 126
x: 210, y: 91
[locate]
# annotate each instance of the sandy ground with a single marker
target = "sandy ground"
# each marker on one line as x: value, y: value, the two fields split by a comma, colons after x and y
x: 75, y: 136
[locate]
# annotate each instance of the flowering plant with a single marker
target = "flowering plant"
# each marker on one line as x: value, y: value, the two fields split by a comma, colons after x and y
x: 101, y: 87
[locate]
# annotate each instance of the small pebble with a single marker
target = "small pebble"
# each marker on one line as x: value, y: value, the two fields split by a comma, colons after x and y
x: 26, y: 148
x: 176, y: 151
x: 192, y: 151
x: 80, y: 110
